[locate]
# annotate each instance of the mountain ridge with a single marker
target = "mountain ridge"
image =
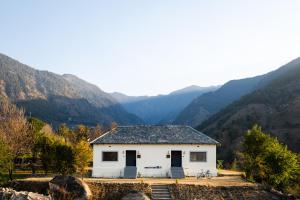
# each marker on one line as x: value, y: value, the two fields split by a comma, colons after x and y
x: 36, y: 90
x: 209, y: 104
x: 161, y: 109
x: 275, y: 106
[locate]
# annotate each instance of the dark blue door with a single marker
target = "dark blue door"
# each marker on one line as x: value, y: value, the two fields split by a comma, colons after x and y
x: 130, y: 158
x: 176, y: 159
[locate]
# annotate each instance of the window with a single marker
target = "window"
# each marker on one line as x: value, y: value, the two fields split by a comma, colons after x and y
x: 109, y: 156
x: 198, y: 156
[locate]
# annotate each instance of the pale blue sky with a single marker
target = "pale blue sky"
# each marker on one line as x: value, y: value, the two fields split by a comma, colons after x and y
x: 151, y: 46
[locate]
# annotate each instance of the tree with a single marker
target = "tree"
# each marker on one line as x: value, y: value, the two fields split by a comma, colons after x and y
x: 95, y: 132
x: 14, y: 132
x: 46, y: 146
x: 113, y: 125
x: 6, y: 159
x: 282, y: 166
x: 264, y: 159
x: 66, y: 133
x: 81, y: 133
x: 64, y: 159
x: 83, y: 155
x: 35, y: 127
x: 254, y: 146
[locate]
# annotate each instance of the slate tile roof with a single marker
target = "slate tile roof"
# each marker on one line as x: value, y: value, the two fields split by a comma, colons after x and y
x: 166, y: 134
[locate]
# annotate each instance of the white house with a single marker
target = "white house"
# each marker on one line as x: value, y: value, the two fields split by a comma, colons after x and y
x: 153, y: 151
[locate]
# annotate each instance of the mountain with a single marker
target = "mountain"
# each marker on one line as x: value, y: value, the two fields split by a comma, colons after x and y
x: 275, y: 106
x: 210, y: 103
x: 123, y: 98
x: 161, y: 109
x: 59, y: 99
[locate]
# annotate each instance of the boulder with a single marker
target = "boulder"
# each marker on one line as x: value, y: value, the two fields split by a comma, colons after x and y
x: 10, y: 194
x: 135, y: 196
x: 69, y: 188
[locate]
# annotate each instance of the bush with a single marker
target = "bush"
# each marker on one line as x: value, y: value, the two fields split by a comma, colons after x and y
x: 264, y: 159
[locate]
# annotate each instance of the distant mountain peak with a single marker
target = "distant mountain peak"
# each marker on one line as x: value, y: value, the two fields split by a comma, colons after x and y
x: 193, y: 88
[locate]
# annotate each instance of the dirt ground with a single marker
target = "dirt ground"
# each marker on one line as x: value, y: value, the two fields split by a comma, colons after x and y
x: 228, y: 178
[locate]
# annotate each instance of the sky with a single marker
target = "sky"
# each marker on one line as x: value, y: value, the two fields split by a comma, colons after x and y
x: 149, y: 47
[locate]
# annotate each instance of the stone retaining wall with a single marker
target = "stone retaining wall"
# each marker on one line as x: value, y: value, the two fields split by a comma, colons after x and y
x: 200, y: 192
x: 100, y: 191
x: 115, y: 191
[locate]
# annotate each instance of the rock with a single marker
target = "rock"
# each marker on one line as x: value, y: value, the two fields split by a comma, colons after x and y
x: 135, y: 196
x: 10, y: 194
x: 69, y: 188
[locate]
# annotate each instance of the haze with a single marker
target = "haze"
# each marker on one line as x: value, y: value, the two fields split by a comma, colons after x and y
x: 151, y: 47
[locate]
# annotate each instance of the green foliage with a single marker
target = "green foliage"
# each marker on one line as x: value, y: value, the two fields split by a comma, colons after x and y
x: 64, y: 159
x: 234, y: 165
x: 220, y: 164
x: 83, y: 155
x: 264, y: 159
x: 65, y: 132
x: 81, y: 133
x: 36, y: 124
x: 36, y: 127
x: 46, y: 146
x: 5, y: 158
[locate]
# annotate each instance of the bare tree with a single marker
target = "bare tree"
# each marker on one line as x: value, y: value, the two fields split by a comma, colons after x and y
x: 95, y: 132
x: 14, y: 131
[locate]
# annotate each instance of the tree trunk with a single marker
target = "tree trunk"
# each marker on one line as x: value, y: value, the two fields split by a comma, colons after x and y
x: 33, y: 161
x: 10, y: 173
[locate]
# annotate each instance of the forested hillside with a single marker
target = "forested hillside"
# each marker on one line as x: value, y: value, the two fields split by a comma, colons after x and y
x: 275, y: 106
x: 59, y: 99
x: 209, y: 104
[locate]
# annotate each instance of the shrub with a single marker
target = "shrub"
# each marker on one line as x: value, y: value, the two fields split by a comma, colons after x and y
x: 264, y: 159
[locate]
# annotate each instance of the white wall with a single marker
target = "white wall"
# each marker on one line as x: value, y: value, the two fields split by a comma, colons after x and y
x: 151, y: 156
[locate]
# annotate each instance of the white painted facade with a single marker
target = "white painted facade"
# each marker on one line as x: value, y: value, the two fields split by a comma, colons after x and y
x: 151, y: 156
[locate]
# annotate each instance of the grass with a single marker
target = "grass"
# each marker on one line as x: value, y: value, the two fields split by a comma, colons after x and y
x: 17, y: 175
x: 4, y: 178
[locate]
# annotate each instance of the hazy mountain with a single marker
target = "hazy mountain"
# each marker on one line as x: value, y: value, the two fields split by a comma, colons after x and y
x: 161, y: 109
x: 123, y: 98
x: 275, y: 106
x: 59, y: 99
x: 210, y: 103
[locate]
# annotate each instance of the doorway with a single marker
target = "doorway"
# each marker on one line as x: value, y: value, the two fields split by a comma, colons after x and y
x: 130, y: 158
x: 176, y: 159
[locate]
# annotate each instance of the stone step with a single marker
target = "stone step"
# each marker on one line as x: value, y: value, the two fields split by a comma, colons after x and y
x: 160, y: 188
x: 160, y: 192
x: 130, y: 172
x: 177, y: 172
x: 161, y: 196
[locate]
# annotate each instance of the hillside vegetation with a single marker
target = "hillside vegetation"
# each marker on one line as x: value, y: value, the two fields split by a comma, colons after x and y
x: 209, y: 104
x: 275, y: 106
x: 59, y: 99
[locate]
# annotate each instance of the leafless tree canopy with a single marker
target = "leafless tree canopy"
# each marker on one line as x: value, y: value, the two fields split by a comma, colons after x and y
x: 14, y: 128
